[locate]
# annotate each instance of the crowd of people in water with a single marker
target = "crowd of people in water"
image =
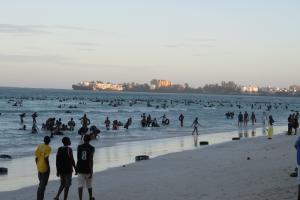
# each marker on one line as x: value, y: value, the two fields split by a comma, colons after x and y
x: 57, y: 127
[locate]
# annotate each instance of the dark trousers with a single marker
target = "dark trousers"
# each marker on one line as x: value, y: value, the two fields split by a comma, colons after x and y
x: 43, y: 178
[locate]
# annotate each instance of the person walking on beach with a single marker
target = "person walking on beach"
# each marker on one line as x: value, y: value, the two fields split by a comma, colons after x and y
x: 240, y: 119
x: 270, y: 129
x: 195, y: 125
x: 181, y: 118
x: 246, y: 118
x: 297, y: 146
x: 64, y: 166
x: 42, y: 154
x: 253, y: 118
x: 85, y: 154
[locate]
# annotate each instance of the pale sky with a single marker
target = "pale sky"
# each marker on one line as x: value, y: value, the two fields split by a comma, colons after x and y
x: 55, y: 43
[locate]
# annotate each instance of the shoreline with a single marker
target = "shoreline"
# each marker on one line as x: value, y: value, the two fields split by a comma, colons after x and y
x: 216, y: 172
x: 118, y: 155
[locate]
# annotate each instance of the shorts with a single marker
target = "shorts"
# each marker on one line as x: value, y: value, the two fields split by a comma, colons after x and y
x: 66, y: 180
x: 84, y: 180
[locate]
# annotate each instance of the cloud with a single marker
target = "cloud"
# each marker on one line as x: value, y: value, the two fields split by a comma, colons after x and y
x: 32, y: 58
x: 42, y: 29
x: 183, y: 45
x: 89, y: 65
x: 22, y: 29
x: 85, y: 44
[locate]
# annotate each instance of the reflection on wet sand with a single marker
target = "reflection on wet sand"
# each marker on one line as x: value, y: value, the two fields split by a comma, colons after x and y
x: 195, y: 137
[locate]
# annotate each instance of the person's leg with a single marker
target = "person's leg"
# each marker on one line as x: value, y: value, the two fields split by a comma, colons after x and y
x: 61, y: 187
x: 90, y: 190
x: 43, y: 177
x: 89, y: 180
x: 66, y: 192
x: 80, y: 189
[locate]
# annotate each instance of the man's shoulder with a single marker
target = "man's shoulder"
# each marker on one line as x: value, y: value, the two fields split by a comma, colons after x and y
x: 85, y: 146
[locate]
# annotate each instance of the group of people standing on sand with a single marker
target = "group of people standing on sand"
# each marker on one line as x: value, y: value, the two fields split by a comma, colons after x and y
x: 243, y: 119
x: 293, y: 123
x: 65, y: 166
x: 267, y: 122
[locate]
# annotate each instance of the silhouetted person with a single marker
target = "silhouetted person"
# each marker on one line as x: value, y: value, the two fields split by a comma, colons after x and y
x: 181, y: 118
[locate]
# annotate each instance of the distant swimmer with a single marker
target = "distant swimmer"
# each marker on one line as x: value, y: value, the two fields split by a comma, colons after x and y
x: 22, y: 117
x: 154, y: 123
x: 128, y: 123
x: 85, y: 121
x: 34, y: 116
x: 165, y: 120
x: 94, y: 132
x: 34, y: 128
x: 107, y: 123
x: 23, y: 128
x: 195, y: 125
x: 181, y: 118
x: 71, y: 124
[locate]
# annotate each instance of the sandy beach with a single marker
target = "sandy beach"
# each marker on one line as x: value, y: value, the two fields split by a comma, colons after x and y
x: 221, y: 171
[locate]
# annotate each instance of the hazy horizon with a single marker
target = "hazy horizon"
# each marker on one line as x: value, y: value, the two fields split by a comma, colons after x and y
x: 54, y: 44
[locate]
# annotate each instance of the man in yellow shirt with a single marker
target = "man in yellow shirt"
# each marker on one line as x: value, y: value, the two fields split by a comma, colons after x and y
x: 42, y: 154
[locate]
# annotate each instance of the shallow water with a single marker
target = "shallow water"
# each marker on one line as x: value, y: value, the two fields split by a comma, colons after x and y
x: 210, y: 110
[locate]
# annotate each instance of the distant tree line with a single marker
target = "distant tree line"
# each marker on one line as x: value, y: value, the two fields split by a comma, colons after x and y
x: 223, y: 88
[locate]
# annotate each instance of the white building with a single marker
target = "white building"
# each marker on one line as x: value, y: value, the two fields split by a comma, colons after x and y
x: 249, y: 89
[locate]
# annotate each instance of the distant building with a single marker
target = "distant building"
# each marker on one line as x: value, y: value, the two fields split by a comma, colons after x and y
x: 249, y: 89
x: 156, y: 83
x: 294, y: 88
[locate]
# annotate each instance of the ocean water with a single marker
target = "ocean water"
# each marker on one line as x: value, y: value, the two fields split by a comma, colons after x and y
x: 210, y: 109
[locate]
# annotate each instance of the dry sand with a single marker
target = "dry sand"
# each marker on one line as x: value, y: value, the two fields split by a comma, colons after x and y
x: 217, y: 172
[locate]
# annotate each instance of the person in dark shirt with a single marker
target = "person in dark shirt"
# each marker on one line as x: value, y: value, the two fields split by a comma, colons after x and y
x: 64, y: 165
x: 181, y: 118
x: 85, y: 154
